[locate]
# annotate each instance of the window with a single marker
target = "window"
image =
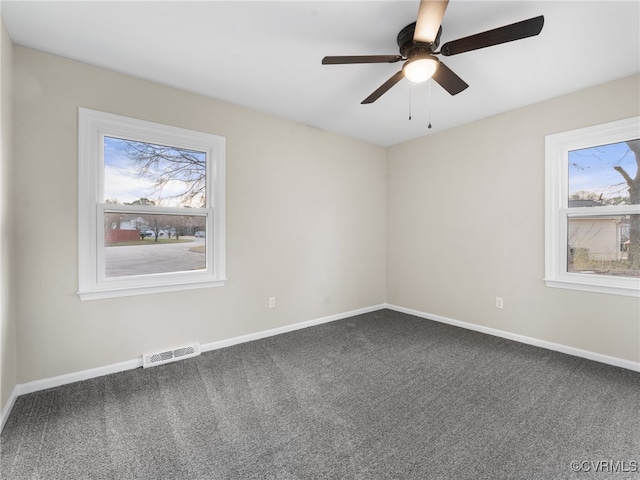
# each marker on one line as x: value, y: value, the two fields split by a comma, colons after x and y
x: 593, y: 208
x: 151, y: 207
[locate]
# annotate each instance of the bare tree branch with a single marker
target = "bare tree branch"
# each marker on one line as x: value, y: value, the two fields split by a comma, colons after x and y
x: 624, y: 174
x: 171, y: 166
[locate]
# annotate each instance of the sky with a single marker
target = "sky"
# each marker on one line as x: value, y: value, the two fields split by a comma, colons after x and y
x: 122, y: 182
x: 591, y: 169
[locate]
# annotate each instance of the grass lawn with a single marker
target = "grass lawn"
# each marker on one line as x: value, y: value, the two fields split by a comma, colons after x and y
x: 616, y: 268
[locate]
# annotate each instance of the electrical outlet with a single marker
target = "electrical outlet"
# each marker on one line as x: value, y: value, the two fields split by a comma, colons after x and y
x: 499, y: 302
x: 272, y: 302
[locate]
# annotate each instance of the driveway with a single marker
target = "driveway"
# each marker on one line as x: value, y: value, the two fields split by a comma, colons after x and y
x: 122, y: 261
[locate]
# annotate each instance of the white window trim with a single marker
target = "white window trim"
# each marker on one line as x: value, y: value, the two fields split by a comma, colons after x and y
x: 557, y: 211
x: 93, y: 126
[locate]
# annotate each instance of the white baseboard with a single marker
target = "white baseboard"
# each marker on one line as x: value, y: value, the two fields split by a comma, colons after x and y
x: 287, y: 328
x: 576, y: 352
x: 45, y: 383
x: 58, y: 380
x: 4, y: 414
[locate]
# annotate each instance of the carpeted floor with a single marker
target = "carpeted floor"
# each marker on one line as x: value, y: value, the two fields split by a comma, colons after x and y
x: 378, y: 396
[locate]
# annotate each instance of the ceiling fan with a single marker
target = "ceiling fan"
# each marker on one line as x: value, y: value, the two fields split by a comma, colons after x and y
x: 418, y: 44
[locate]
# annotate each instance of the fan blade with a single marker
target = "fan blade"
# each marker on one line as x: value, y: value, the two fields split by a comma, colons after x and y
x: 361, y: 59
x: 508, y: 33
x: 430, y: 16
x: 382, y: 89
x: 448, y: 80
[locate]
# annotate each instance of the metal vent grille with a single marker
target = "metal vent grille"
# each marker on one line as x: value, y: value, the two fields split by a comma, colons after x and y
x: 158, y: 358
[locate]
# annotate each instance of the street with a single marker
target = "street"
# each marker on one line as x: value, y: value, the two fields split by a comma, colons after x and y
x: 122, y: 261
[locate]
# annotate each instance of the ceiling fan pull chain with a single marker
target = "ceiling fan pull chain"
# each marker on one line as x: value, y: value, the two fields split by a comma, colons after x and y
x: 429, y: 105
x: 410, y: 100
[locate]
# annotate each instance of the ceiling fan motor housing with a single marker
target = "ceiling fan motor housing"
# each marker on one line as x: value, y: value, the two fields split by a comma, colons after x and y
x: 409, y: 48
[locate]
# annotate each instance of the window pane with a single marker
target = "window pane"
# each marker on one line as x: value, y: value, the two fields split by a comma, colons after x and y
x: 138, y: 173
x: 140, y: 244
x: 597, y: 175
x: 604, y: 245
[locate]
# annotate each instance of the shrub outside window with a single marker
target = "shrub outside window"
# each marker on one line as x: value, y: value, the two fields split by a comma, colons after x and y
x: 151, y: 207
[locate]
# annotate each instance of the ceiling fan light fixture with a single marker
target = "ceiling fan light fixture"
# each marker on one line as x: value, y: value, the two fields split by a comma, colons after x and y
x: 420, y: 69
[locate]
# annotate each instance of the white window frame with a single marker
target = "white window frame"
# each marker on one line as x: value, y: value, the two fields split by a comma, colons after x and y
x: 558, y: 212
x: 93, y: 126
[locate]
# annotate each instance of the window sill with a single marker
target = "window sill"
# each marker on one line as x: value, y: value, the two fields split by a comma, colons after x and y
x: 593, y: 287
x: 97, y: 294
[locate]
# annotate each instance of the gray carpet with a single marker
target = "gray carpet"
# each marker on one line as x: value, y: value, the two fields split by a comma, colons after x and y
x: 377, y: 396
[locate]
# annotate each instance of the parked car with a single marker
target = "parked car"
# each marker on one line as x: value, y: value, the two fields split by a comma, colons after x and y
x: 200, y: 234
x: 149, y: 233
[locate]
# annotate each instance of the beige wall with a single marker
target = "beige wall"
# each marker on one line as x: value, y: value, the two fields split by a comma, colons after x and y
x: 8, y: 365
x: 305, y: 223
x: 465, y: 219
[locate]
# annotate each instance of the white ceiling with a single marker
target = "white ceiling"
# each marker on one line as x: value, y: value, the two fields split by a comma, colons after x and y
x: 266, y: 54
